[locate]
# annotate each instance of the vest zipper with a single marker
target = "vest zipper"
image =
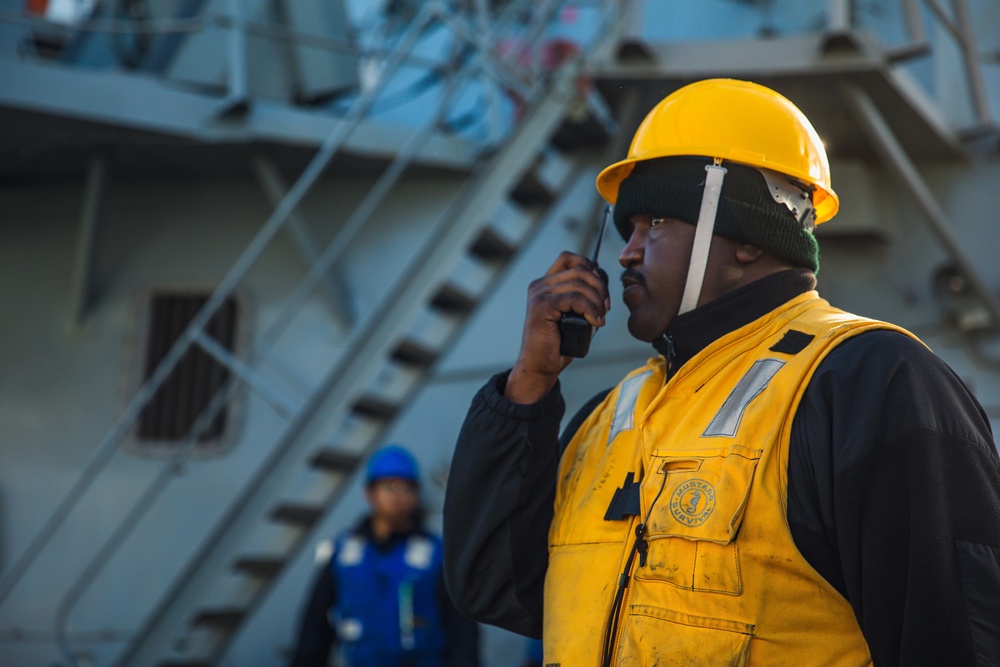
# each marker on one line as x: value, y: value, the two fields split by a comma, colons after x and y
x: 615, y: 615
x: 670, y: 355
x: 640, y: 547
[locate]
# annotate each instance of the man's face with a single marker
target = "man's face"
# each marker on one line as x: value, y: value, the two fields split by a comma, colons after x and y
x: 394, y: 500
x: 655, y: 260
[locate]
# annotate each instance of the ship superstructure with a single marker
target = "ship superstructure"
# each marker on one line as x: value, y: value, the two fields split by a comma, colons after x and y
x: 245, y: 242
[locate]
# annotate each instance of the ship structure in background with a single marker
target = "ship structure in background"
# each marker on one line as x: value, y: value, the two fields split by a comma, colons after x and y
x: 245, y: 242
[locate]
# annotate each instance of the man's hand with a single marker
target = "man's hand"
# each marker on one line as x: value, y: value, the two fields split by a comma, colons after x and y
x: 571, y: 284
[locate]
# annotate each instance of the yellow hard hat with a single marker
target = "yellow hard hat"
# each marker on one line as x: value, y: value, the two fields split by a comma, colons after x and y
x: 739, y: 121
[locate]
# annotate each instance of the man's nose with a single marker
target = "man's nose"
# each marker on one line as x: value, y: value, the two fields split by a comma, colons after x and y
x: 631, y: 254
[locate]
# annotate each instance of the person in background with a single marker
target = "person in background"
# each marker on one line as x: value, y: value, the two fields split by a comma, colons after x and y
x: 381, y: 599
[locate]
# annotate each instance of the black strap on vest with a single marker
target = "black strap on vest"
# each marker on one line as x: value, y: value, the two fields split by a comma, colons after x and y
x: 625, y: 502
x: 792, y: 342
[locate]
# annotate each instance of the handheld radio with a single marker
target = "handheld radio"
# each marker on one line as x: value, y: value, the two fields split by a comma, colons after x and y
x: 574, y: 329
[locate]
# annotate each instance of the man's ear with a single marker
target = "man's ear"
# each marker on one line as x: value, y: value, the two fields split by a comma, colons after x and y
x: 747, y: 254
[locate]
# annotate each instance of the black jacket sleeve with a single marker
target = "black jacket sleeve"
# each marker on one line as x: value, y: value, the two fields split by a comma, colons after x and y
x: 461, y: 633
x: 316, y: 636
x: 498, y: 507
x: 894, y: 497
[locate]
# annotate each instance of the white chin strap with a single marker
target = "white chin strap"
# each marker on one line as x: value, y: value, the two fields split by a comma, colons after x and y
x: 702, y: 236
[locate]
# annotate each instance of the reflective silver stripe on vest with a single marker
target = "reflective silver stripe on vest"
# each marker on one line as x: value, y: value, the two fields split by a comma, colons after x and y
x: 750, y: 385
x: 625, y: 407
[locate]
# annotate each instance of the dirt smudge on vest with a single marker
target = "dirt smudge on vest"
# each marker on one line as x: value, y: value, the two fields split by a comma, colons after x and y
x: 603, y: 480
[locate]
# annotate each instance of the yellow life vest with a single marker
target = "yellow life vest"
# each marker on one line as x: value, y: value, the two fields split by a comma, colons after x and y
x: 722, y: 582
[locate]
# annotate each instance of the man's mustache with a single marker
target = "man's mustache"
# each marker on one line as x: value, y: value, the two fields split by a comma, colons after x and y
x: 632, y: 276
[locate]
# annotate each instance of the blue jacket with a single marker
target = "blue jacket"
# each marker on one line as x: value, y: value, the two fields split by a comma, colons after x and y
x: 385, y: 605
x: 387, y: 612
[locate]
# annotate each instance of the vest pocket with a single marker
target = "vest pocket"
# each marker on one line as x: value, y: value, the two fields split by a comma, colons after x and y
x: 657, y: 636
x: 695, y: 500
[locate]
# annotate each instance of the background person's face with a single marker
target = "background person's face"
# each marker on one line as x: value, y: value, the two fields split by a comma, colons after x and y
x: 394, y: 500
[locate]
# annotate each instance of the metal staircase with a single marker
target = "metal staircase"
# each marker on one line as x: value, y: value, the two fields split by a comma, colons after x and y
x: 391, y: 354
x: 387, y: 357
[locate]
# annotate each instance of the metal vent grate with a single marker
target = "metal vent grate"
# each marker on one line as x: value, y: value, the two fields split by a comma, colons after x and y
x: 175, y: 407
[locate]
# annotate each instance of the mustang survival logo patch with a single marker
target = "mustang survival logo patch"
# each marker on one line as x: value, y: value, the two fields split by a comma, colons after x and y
x: 692, y: 502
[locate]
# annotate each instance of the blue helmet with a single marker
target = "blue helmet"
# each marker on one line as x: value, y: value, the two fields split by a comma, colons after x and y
x: 392, y: 461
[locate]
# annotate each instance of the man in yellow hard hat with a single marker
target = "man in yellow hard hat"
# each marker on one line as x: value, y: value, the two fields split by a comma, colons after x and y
x: 785, y: 483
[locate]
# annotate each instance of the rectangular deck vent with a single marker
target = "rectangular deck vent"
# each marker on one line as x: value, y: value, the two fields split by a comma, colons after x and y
x: 189, y: 388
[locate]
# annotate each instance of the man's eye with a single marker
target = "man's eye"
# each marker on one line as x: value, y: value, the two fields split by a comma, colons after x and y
x: 653, y: 222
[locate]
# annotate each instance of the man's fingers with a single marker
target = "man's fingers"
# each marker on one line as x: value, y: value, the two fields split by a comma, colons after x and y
x: 583, y: 272
x: 577, y: 290
x: 580, y: 299
x: 568, y: 260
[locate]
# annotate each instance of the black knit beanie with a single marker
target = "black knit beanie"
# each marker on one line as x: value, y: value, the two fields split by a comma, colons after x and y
x: 671, y: 187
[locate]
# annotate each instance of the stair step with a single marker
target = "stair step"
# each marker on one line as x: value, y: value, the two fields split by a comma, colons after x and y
x: 532, y: 191
x: 453, y: 300
x: 302, y: 515
x: 415, y: 354
x: 220, y: 619
x: 573, y: 135
x: 491, y: 246
x: 594, y: 127
x: 635, y: 51
x: 376, y: 408
x: 511, y: 223
x: 334, y: 461
x: 261, y: 567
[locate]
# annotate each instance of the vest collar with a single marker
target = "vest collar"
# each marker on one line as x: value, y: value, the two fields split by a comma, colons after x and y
x: 693, y: 331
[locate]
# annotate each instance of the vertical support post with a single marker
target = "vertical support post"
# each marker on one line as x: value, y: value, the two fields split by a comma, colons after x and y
x: 237, y: 98
x: 628, y: 18
x: 86, y: 244
x: 970, y: 54
x: 917, y: 44
x: 624, y: 24
x: 838, y: 15
x: 319, y: 74
x: 914, y: 22
x: 485, y: 45
x: 894, y: 156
